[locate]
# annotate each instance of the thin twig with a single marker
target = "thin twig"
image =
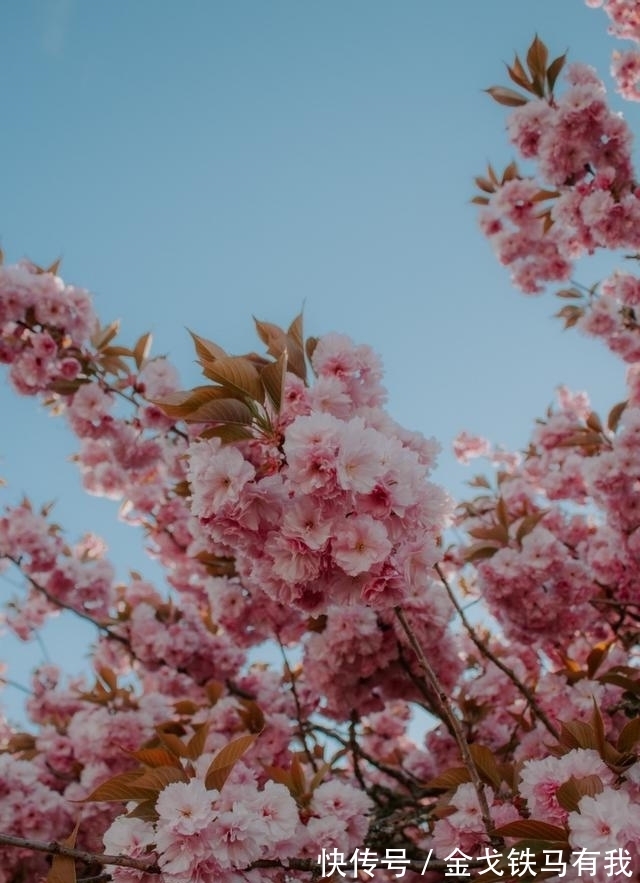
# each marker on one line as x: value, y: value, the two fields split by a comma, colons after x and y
x: 16, y: 686
x: 404, y: 778
x: 482, y: 647
x: 296, y: 699
x: 449, y: 713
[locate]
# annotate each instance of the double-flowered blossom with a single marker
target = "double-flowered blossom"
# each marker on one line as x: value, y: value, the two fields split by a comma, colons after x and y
x: 348, y: 500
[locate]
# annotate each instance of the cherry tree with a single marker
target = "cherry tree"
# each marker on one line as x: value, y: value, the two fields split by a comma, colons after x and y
x: 289, y: 510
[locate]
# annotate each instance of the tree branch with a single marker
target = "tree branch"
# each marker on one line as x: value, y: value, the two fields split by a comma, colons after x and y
x: 486, y: 652
x: 448, y: 712
x: 55, y: 848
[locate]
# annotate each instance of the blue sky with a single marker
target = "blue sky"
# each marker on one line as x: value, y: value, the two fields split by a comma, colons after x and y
x: 197, y: 163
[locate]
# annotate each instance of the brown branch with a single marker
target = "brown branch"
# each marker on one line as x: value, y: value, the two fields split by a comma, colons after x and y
x: 55, y: 848
x: 488, y: 654
x: 447, y: 710
x: 431, y: 705
x: 123, y: 861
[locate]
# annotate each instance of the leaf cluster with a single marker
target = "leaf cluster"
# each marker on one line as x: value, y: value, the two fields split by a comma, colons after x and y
x: 536, y: 76
x: 246, y: 391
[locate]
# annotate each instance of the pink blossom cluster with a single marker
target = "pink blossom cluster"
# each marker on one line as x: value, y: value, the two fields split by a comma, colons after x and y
x: 344, y: 512
x: 79, y: 577
x: 44, y: 324
x: 625, y: 66
x: 582, y: 151
x: 204, y: 834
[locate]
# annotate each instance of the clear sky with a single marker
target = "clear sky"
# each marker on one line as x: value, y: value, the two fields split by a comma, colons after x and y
x: 196, y: 163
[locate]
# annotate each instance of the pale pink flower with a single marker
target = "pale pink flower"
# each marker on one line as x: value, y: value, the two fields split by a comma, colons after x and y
x: 604, y: 821
x: 218, y: 476
x: 185, y: 808
x: 361, y: 455
x: 158, y: 378
x: 360, y: 542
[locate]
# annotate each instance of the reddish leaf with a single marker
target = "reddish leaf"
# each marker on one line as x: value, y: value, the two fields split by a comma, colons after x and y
x: 224, y: 761
x: 104, y: 336
x: 179, y: 404
x: 571, y: 792
x: 479, y: 551
x: 518, y: 74
x: 310, y: 346
x: 195, y: 745
x: 227, y: 433
x: 235, y: 373
x: 146, y: 810
x: 273, y: 377
x: 173, y: 743
x: 120, y: 788
x: 496, y: 532
x: 532, y: 829
x: 142, y: 349
x: 63, y: 868
x: 554, y: 69
x: 155, y: 757
x: 222, y: 411
x: 298, y: 780
x: 507, y: 97
x: 294, y: 331
x: 207, y: 349
x: 252, y: 716
x: 449, y: 780
x: 596, y: 656
x: 486, y: 764
x: 629, y: 736
x: 528, y: 523
x: 615, y: 414
x: 577, y: 734
x: 274, y: 338
x: 155, y: 780
x: 484, y: 184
